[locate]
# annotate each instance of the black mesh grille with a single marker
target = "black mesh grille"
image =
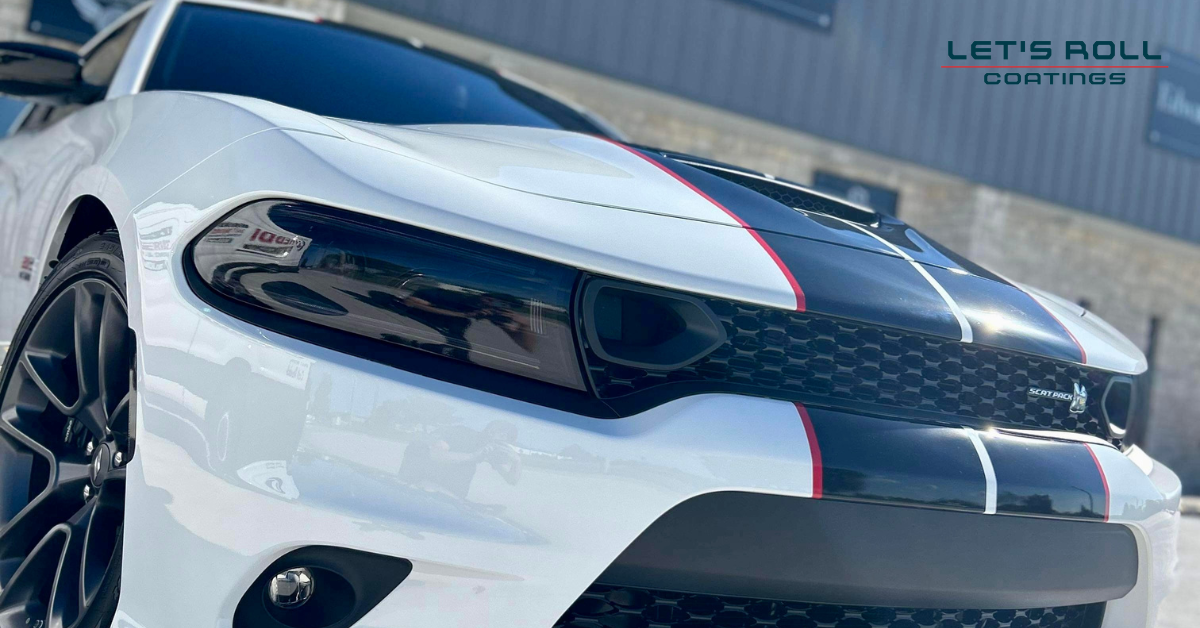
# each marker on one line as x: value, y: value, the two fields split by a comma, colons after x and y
x: 776, y: 353
x: 617, y: 607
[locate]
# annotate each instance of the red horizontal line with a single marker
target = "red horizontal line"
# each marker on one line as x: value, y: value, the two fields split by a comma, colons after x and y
x: 1055, y: 66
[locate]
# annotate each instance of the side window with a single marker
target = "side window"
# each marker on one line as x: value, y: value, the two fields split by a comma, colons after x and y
x: 102, y: 61
x: 10, y: 111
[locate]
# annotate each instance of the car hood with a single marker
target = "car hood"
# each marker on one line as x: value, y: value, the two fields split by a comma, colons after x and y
x: 838, y: 259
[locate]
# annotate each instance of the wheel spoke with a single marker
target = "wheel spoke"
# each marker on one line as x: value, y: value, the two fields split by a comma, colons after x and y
x: 23, y: 397
x: 31, y: 585
x: 100, y: 542
x: 93, y: 417
x: 30, y: 417
x: 65, y: 413
x: 26, y: 433
x: 56, y: 503
x: 114, y: 476
x: 118, y: 419
x: 89, y: 309
x: 66, y: 597
x: 49, y: 352
x: 45, y: 371
x: 113, y: 353
x: 70, y: 476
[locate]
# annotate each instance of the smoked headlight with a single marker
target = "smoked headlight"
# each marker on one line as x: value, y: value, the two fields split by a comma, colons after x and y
x: 395, y: 285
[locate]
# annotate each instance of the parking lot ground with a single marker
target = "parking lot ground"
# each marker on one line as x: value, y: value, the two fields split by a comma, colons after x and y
x: 1182, y: 608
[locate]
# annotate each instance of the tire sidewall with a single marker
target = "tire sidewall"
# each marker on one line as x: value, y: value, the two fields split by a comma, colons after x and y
x: 97, y: 257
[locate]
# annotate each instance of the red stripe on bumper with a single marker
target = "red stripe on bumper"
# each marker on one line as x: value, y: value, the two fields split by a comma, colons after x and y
x: 1103, y: 480
x: 814, y: 448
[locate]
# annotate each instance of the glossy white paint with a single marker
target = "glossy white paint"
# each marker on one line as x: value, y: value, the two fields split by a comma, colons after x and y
x: 1155, y: 525
x: 547, y: 162
x: 514, y: 550
x: 989, y: 471
x: 251, y: 443
x: 1106, y: 347
x: 507, y: 551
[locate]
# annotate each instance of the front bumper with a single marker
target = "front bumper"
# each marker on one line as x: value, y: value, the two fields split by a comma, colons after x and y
x: 250, y: 444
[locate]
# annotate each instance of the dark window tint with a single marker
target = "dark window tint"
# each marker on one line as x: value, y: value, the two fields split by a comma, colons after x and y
x: 10, y: 110
x: 340, y: 72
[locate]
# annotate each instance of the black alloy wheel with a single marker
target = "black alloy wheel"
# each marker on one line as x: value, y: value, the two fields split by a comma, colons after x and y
x: 66, y: 405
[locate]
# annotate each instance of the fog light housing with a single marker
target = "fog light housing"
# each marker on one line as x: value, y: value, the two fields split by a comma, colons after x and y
x: 286, y: 595
x: 291, y: 588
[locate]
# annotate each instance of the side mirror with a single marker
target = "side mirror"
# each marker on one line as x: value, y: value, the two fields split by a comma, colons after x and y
x: 42, y: 74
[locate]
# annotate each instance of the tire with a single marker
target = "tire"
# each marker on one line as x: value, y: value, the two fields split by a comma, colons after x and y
x: 66, y: 425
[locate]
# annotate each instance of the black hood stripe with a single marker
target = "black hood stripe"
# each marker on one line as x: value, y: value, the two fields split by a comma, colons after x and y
x: 764, y: 214
x: 886, y: 274
x: 665, y: 165
x: 878, y: 289
x: 1005, y: 316
x: 1078, y: 345
x: 848, y: 271
x: 967, y: 334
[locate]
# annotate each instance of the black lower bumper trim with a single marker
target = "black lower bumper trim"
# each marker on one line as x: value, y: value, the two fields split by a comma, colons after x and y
x: 623, y: 607
x: 786, y: 548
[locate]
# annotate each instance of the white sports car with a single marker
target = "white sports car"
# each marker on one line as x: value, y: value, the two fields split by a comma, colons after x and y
x: 311, y: 328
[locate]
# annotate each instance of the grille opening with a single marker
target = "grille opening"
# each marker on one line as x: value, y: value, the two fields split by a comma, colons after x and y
x: 1118, y: 402
x: 605, y: 606
x: 841, y: 363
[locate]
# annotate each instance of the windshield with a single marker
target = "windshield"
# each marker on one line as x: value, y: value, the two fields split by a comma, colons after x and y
x: 341, y: 72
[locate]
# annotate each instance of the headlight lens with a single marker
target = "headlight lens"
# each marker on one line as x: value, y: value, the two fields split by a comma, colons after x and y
x: 398, y: 285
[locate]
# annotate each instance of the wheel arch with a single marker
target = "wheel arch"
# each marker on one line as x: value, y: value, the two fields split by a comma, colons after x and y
x: 85, y: 216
